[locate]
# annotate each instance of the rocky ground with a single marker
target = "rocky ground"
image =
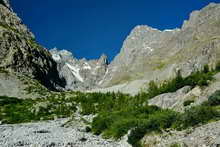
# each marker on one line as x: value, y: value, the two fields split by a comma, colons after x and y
x: 51, y: 134
x: 204, y: 136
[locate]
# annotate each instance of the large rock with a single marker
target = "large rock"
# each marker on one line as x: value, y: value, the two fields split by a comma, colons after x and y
x: 173, y: 100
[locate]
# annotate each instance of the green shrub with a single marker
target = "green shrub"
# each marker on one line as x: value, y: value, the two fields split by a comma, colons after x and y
x: 214, y: 99
x: 116, y: 124
x: 175, y: 145
x: 195, y: 79
x: 188, y: 102
x: 196, y: 115
x: 206, y: 69
x: 217, y: 68
x: 121, y: 127
x: 156, y: 122
x: 198, y: 79
x: 88, y: 129
x: 4, y: 100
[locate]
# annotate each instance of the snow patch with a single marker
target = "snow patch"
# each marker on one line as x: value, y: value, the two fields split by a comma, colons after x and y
x: 75, y: 72
x: 147, y: 47
x: 100, y: 82
x: 56, y: 57
x: 87, y: 66
x: 133, y: 38
x: 171, y: 30
x: 167, y: 30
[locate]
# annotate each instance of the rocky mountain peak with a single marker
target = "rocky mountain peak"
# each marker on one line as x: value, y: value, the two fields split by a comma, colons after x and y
x: 80, y: 74
x: 61, y: 55
x: 199, y: 17
x: 151, y: 54
x: 20, y: 53
x: 103, y: 60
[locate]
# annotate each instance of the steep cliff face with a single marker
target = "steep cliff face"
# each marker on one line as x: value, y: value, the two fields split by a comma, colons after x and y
x: 80, y: 74
x: 20, y: 53
x: 151, y: 54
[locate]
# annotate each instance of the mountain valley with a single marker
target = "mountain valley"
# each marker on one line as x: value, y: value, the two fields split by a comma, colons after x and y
x: 162, y: 89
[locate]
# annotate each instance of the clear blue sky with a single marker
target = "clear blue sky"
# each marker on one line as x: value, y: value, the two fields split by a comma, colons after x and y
x: 89, y: 28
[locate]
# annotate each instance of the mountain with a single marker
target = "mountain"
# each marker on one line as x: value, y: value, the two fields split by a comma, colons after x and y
x: 80, y: 74
x: 22, y: 55
x: 151, y: 54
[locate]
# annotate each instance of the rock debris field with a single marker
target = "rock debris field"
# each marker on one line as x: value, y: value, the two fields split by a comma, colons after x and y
x: 51, y: 134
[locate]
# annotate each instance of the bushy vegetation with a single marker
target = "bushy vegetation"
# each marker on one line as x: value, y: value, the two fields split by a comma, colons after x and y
x: 14, y: 110
x: 196, y: 115
x: 165, y: 119
x: 188, y: 102
x: 214, y: 99
x: 200, y: 78
x: 157, y: 121
x: 175, y: 145
x: 116, y: 124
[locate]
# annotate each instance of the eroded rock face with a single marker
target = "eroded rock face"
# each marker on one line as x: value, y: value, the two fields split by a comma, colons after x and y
x: 151, y: 54
x: 173, y: 100
x: 80, y: 74
x: 20, y: 53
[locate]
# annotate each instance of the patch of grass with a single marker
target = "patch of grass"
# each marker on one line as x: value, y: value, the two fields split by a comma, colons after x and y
x: 116, y: 124
x: 4, y: 100
x: 165, y: 119
x: 175, y: 145
x: 196, y: 115
x: 199, y: 78
x: 188, y: 102
x: 3, y: 70
x: 34, y: 86
x: 157, y: 121
x: 14, y: 110
x: 214, y: 99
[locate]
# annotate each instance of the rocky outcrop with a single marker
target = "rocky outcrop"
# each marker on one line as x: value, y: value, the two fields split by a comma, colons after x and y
x: 151, y: 54
x: 173, y: 100
x: 80, y: 74
x: 197, y: 95
x: 6, y: 3
x: 204, y: 136
x: 20, y: 53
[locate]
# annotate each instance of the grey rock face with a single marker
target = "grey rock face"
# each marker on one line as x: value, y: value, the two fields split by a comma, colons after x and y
x: 171, y: 100
x: 151, y: 54
x: 80, y: 74
x: 20, y: 53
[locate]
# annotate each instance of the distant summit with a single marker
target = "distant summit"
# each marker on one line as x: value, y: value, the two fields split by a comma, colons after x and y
x: 80, y: 74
